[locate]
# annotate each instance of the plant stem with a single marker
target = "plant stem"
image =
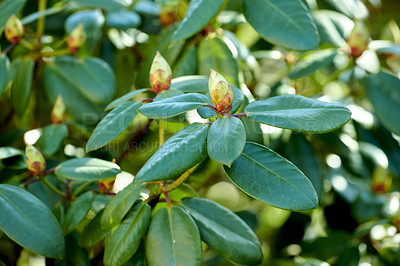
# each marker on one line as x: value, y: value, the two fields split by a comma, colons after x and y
x: 179, y: 181
x: 26, y: 44
x: 167, y: 199
x: 55, y: 53
x: 8, y: 49
x: 30, y: 181
x: 160, y: 132
x: 149, y: 100
x: 53, y: 188
x: 40, y: 24
x: 239, y: 115
x: 80, y: 189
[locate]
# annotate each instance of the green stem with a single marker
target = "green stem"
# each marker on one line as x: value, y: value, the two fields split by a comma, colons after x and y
x: 81, y: 188
x: 55, y: 53
x: 161, y: 132
x: 179, y: 181
x: 40, y: 24
x: 53, y: 188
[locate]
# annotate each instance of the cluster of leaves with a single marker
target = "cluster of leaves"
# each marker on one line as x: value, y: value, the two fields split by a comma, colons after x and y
x: 282, y: 73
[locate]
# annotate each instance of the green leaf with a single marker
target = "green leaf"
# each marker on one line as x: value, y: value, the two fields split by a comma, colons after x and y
x: 193, y: 83
x: 299, y: 113
x: 312, y: 62
x: 106, y: 4
x: 36, y: 15
x: 186, y: 64
x: 8, y: 152
x: 171, y: 92
x: 119, y: 205
x: 7, y: 8
x: 214, y: 53
x: 123, y: 99
x: 286, y: 23
x: 353, y: 9
x: 122, y: 19
x: 91, y: 169
x: 198, y: 15
x: 301, y: 153
x: 52, y: 138
x: 383, y: 92
x: 226, y: 140
x: 4, y: 69
x: 173, y: 239
x: 173, y: 106
x: 93, y: 233
x: 124, y: 240
x: 22, y: 84
x: 79, y: 85
x: 178, y: 154
x: 224, y: 231
x: 28, y: 221
x: 77, y: 212
x: 265, y: 175
x: 333, y: 27
x: 112, y: 125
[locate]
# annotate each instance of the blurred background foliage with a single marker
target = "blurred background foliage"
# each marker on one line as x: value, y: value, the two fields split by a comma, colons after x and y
x: 355, y: 170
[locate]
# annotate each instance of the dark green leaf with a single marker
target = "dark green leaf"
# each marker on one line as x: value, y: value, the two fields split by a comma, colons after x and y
x: 92, y: 21
x: 112, y: 125
x: 333, y: 27
x: 8, y: 8
x: 191, y: 84
x: 186, y: 64
x: 353, y: 9
x: 178, y: 154
x: 123, y: 99
x: 226, y: 140
x: 299, y: 113
x: 36, y: 15
x: 171, y: 92
x: 93, y: 233
x: 4, y: 69
x: 28, y: 221
x: 8, y: 152
x: 119, y: 206
x: 265, y: 175
x: 22, y: 84
x: 312, y: 62
x: 224, y: 231
x: 106, y: 4
x: 87, y: 169
x: 122, y: 19
x: 124, y: 240
x: 198, y: 15
x: 214, y: 53
x: 287, y: 23
x: 173, y: 106
x: 173, y: 239
x: 383, y: 92
x: 52, y: 138
x: 77, y: 212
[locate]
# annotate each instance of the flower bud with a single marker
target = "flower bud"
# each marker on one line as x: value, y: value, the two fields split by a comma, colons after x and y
x: 160, y: 74
x: 220, y: 92
x: 107, y: 184
x: 358, y: 39
x: 34, y: 160
x: 14, y: 30
x: 57, y: 114
x: 76, y: 38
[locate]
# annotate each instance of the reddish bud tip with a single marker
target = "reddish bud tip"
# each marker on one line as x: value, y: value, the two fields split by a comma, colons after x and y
x: 160, y: 74
x: 35, y: 161
x: 107, y: 184
x: 220, y: 92
x: 14, y: 30
x: 358, y: 40
x: 57, y: 114
x: 76, y: 38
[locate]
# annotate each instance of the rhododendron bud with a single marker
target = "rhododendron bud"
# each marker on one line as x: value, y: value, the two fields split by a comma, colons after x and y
x: 76, y: 38
x: 14, y: 30
x: 57, y: 114
x: 358, y: 39
x: 220, y: 92
x: 160, y: 74
x: 34, y: 160
x: 107, y: 184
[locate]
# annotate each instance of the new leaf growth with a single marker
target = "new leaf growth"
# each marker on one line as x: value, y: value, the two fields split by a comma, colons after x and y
x: 160, y: 74
x: 220, y: 92
x: 14, y: 30
x: 35, y: 161
x: 57, y: 114
x: 76, y: 38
